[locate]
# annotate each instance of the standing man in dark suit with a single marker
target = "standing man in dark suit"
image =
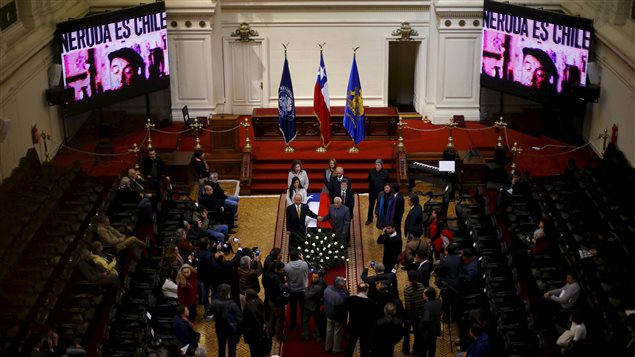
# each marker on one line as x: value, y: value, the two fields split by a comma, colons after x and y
x: 340, y: 220
x: 377, y: 178
x: 430, y: 323
x: 423, y: 267
x: 414, y: 220
x: 336, y: 181
x: 387, y: 332
x: 360, y: 321
x: 347, y: 196
x: 296, y: 220
x: 389, y: 278
x: 398, y: 207
x: 153, y: 168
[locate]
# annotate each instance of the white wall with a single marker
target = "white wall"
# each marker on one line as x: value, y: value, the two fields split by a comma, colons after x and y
x: 614, y: 49
x: 342, y: 25
x: 24, y: 78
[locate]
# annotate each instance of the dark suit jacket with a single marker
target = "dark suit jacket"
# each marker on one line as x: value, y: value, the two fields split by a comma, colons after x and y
x: 399, y: 209
x: 350, y: 200
x: 448, y: 271
x: 340, y: 220
x: 388, y: 277
x: 423, y: 273
x: 297, y: 224
x: 218, y: 191
x: 387, y: 332
x: 146, y: 167
x: 414, y: 222
x: 392, y: 249
x: 360, y: 320
x: 184, y: 332
x: 430, y: 323
x: 335, y: 185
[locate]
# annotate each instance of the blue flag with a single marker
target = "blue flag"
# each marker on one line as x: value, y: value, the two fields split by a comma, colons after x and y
x: 286, y: 105
x: 354, y: 118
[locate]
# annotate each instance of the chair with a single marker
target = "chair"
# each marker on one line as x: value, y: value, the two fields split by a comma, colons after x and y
x: 187, y: 122
x: 186, y: 118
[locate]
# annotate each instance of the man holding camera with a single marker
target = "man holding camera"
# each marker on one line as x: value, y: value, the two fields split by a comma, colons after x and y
x: 297, y: 271
x: 312, y: 302
x: 278, y: 290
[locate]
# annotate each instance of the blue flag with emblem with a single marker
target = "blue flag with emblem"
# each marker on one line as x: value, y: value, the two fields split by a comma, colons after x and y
x: 354, y: 118
x: 286, y: 105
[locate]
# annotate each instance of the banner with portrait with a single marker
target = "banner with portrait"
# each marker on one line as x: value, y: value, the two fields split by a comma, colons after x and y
x: 528, y: 50
x: 115, y: 56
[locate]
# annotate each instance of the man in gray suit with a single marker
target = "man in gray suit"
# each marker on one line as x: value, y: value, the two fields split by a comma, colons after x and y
x: 340, y: 220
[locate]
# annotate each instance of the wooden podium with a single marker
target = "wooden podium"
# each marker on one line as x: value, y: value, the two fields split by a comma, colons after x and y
x: 473, y: 169
x: 223, y: 138
x: 225, y: 153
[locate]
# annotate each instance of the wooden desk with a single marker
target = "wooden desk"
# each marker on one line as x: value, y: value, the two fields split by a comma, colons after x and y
x: 473, y: 169
x: 223, y: 139
x: 381, y: 124
x: 179, y: 169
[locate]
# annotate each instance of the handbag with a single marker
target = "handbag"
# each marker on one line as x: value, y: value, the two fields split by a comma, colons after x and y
x: 405, y: 257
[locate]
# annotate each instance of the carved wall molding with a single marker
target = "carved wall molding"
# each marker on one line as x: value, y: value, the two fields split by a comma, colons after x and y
x: 460, y: 14
x: 335, y: 23
x: 350, y: 5
x: 405, y: 32
x: 244, y: 33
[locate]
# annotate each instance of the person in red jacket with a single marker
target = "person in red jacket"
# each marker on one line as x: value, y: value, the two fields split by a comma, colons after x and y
x: 187, y: 293
x: 440, y: 237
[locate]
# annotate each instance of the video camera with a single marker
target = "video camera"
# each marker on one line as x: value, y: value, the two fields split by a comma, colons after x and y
x: 317, y: 268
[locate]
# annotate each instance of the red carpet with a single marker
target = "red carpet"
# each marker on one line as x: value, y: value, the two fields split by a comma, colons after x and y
x: 295, y: 345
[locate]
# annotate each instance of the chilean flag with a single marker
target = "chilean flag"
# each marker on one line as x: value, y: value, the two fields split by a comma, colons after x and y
x: 321, y: 103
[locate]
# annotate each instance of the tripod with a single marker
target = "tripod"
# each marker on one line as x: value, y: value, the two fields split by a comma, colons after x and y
x: 447, y: 315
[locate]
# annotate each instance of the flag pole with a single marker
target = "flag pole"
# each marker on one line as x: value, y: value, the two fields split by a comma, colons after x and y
x: 288, y: 148
x: 354, y: 149
x: 322, y: 147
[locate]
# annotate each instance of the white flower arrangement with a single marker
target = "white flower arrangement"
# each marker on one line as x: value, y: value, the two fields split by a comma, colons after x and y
x: 321, y: 248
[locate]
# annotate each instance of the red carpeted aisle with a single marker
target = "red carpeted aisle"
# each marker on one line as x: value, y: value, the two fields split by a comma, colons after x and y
x: 295, y: 345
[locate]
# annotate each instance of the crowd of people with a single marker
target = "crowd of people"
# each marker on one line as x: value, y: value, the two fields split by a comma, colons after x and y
x: 197, y: 269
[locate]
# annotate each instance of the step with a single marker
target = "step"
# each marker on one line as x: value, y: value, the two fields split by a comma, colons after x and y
x: 317, y: 166
x: 282, y: 177
x: 273, y: 175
